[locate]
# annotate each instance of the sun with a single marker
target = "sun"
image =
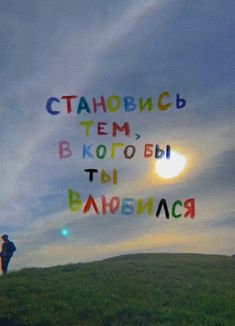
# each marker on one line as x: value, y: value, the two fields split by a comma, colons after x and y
x: 170, y: 168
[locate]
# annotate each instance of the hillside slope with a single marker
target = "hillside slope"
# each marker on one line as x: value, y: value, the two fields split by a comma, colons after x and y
x: 141, y: 289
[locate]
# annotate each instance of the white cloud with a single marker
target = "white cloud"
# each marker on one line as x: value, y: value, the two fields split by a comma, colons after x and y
x: 73, y: 59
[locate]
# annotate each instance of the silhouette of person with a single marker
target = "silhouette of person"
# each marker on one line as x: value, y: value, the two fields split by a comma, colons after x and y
x: 8, y: 247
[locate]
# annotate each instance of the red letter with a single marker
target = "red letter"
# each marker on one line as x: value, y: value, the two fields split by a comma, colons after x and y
x: 125, y: 128
x: 68, y: 99
x: 100, y: 128
x: 113, y: 205
x: 148, y: 151
x: 189, y: 204
x: 90, y: 201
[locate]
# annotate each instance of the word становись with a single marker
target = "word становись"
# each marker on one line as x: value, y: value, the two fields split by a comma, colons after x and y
x: 112, y: 104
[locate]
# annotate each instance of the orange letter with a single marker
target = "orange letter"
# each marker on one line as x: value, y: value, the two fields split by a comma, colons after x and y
x: 163, y: 107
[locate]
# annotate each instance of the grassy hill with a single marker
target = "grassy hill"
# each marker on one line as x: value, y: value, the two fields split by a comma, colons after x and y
x: 141, y: 289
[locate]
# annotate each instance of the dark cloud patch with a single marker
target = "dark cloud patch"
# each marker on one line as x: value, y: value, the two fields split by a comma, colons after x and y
x: 219, y: 175
x: 215, y: 179
x: 57, y: 48
x: 227, y: 221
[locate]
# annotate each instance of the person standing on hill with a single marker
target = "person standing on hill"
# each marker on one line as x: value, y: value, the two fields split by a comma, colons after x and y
x: 8, y: 248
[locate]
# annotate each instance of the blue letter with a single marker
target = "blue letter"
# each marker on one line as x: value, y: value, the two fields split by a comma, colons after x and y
x: 48, y: 106
x: 180, y: 102
x: 129, y: 103
x: 126, y: 208
x: 83, y: 105
x: 86, y: 151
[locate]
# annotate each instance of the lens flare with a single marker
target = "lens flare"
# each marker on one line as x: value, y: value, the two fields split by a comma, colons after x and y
x: 170, y: 168
x: 65, y: 232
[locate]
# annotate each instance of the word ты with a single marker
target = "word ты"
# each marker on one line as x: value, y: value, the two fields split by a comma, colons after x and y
x: 105, y: 177
x: 129, y: 206
x: 113, y: 104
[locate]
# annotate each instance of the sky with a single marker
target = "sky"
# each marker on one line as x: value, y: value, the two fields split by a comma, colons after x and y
x: 123, y: 48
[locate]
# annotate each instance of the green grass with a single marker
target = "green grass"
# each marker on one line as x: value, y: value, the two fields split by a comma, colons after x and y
x: 141, y: 289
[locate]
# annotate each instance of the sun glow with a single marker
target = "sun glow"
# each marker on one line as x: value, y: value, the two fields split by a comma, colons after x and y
x: 170, y: 168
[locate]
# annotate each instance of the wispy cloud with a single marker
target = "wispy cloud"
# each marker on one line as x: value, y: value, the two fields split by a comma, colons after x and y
x: 139, y: 48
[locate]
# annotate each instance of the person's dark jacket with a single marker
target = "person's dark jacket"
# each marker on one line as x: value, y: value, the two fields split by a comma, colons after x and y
x: 8, y: 249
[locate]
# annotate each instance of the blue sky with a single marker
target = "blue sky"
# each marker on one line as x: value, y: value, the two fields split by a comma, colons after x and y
x: 126, y: 48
